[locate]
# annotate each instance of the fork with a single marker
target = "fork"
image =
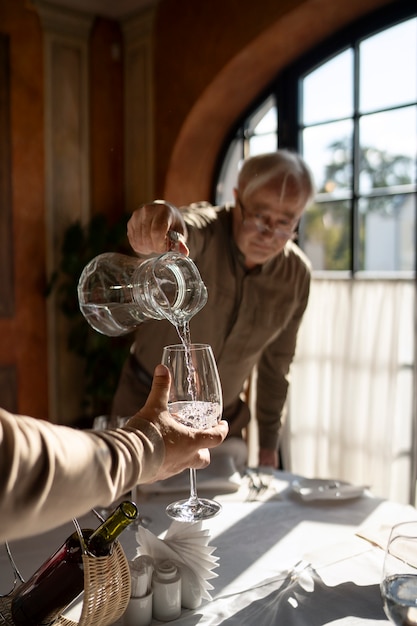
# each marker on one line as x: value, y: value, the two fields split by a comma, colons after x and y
x: 257, y: 486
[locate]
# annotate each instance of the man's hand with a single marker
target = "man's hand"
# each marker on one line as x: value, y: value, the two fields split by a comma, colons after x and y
x: 148, y: 228
x: 268, y: 458
x: 184, y: 447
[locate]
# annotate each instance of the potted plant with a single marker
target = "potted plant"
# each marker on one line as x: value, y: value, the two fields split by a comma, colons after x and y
x: 102, y: 357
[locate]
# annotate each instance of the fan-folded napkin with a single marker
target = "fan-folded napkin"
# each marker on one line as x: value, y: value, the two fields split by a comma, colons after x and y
x: 185, y: 543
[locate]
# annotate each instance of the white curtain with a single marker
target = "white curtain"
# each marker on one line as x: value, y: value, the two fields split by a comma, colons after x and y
x: 350, y: 404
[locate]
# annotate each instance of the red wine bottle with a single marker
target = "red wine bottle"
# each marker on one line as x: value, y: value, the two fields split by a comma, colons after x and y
x: 40, y: 600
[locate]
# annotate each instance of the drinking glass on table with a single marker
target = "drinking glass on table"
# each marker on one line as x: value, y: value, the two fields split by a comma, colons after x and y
x: 102, y: 422
x: 399, y: 577
x: 134, y: 495
x: 196, y: 401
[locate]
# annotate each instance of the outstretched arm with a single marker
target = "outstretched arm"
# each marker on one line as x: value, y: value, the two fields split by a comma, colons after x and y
x: 50, y: 474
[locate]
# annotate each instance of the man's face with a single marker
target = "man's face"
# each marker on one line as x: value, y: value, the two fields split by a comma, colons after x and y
x: 263, y: 222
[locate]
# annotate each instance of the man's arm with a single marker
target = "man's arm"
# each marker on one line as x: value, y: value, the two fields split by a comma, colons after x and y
x: 51, y: 473
x: 273, y: 380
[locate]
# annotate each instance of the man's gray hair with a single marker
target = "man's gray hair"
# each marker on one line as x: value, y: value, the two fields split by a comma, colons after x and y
x: 283, y: 169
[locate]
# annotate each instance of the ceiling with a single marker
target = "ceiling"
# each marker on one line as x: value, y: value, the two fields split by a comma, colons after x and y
x: 115, y: 9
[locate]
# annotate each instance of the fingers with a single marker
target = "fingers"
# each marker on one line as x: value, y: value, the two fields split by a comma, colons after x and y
x: 148, y: 227
x: 146, y: 231
x: 201, y: 460
x: 183, y: 248
x: 134, y: 236
x: 158, y: 396
x: 267, y: 457
x: 157, y: 402
x: 209, y: 439
x: 212, y: 437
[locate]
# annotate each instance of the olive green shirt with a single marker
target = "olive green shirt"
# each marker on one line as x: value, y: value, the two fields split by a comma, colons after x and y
x: 251, y: 318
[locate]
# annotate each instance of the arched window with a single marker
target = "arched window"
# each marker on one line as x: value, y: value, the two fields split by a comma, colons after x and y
x: 350, y: 107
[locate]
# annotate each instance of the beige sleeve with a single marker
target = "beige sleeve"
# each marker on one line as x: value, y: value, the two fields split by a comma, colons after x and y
x: 50, y: 474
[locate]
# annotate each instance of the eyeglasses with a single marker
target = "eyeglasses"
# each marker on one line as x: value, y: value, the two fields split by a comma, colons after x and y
x: 263, y: 225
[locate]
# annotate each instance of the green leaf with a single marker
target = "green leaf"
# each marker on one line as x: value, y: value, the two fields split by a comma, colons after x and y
x: 102, y: 357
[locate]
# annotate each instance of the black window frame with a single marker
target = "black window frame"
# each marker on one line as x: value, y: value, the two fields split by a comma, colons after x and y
x: 287, y: 94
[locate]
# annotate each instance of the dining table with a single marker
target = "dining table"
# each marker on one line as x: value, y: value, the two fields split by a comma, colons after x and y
x: 285, y: 554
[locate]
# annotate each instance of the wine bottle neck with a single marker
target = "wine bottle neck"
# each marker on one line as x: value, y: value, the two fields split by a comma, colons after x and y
x: 102, y: 539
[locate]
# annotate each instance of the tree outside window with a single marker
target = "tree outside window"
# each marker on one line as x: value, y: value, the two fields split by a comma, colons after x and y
x: 357, y: 129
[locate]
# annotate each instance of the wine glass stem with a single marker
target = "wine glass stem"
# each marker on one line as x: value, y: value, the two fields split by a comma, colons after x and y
x: 193, y: 485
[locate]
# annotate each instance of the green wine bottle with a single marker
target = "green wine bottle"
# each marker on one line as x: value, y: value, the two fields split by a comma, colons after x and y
x: 40, y: 600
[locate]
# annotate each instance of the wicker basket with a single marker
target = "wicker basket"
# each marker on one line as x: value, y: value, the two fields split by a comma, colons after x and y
x: 106, y: 591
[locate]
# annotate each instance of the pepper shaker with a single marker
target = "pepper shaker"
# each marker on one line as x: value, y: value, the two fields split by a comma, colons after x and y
x: 166, y: 584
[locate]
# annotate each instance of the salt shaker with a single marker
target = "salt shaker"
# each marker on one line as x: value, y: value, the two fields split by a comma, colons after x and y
x: 166, y: 584
x: 139, y: 609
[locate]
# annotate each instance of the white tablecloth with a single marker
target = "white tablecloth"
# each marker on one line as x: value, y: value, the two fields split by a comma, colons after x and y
x: 281, y: 560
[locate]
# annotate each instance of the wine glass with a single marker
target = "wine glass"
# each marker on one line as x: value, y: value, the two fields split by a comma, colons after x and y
x: 196, y: 401
x: 399, y: 578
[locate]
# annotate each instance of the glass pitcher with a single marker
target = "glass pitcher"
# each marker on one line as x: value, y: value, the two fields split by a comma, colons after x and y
x: 116, y: 292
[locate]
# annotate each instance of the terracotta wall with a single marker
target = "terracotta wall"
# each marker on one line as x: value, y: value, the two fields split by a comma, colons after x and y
x: 189, y: 56
x: 106, y: 120
x: 207, y: 68
x: 208, y: 71
x: 23, y: 337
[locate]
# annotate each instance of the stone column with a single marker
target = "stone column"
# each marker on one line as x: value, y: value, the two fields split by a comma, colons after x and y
x: 139, y: 91
x: 67, y: 175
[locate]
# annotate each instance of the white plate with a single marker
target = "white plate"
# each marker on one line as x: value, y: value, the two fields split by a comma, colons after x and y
x: 320, y: 489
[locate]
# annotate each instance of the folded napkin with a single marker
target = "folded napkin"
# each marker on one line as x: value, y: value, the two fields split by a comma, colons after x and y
x: 378, y: 532
x: 299, y: 596
x: 185, y: 543
x: 220, y: 476
x: 378, y: 536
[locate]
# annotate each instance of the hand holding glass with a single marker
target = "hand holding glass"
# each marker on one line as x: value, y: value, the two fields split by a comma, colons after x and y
x: 196, y: 401
x: 399, y: 577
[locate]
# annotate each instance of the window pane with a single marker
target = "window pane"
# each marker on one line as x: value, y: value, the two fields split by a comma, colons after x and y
x: 328, y: 91
x: 264, y: 120
x: 262, y: 143
x: 325, y: 235
x: 328, y: 151
x: 387, y: 233
x: 227, y: 178
x: 388, y: 148
x: 268, y: 124
x: 388, y: 67
x: 382, y: 118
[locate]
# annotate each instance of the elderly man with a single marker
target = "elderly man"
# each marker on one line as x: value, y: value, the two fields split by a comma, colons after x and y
x: 258, y: 285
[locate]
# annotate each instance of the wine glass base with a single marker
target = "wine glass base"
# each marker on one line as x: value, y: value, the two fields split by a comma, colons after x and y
x: 193, y: 510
